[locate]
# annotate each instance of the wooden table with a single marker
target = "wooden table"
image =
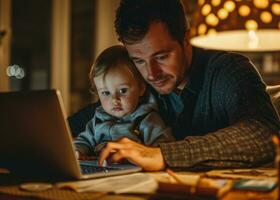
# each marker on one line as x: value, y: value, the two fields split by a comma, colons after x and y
x: 9, y: 189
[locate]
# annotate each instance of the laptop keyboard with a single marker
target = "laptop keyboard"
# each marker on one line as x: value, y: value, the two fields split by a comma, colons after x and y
x: 89, y: 169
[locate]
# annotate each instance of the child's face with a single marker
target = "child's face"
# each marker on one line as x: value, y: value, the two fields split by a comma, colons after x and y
x: 119, y: 91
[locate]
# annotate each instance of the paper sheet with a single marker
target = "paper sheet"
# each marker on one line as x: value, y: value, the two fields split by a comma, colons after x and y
x: 131, y: 183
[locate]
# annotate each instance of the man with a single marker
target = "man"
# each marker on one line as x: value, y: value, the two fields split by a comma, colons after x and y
x: 214, y: 101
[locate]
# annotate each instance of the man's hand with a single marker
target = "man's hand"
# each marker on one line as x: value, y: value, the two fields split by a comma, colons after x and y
x: 149, y: 158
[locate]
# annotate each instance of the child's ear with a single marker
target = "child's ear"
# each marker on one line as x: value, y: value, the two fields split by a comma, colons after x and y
x: 142, y: 89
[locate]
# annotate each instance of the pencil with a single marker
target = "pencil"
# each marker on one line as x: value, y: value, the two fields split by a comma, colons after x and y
x: 174, y: 176
x: 190, y: 188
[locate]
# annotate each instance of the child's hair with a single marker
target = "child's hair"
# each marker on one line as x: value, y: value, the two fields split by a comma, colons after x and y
x: 112, y: 57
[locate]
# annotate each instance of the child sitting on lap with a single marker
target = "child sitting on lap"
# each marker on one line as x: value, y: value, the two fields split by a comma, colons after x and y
x: 127, y: 108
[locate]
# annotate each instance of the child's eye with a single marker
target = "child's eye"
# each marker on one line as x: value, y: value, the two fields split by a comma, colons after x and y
x: 105, y: 93
x: 123, y: 90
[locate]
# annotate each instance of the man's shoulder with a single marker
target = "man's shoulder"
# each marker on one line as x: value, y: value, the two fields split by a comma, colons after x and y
x: 211, y: 62
x: 226, y: 63
x: 217, y: 59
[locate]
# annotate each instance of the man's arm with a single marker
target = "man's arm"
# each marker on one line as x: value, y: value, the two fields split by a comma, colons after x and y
x: 224, y: 148
x: 244, y: 144
x: 246, y: 141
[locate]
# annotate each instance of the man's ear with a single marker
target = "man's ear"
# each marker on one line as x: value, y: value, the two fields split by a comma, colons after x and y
x: 187, y: 38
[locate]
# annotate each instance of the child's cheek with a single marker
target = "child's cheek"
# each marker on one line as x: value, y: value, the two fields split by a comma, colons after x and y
x: 130, y: 102
x: 105, y: 103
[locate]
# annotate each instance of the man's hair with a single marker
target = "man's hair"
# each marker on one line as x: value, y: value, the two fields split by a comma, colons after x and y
x: 134, y: 17
x: 112, y: 57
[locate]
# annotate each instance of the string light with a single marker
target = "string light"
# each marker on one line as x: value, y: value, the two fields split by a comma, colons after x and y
x: 15, y: 71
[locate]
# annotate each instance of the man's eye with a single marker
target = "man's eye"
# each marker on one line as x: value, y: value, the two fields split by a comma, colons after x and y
x: 105, y: 93
x: 123, y: 90
x: 162, y: 57
x: 138, y: 62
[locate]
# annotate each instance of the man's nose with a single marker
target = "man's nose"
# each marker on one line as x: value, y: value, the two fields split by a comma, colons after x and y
x: 153, y: 70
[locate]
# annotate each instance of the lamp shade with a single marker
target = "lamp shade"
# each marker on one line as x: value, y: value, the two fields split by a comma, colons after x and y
x: 237, y: 25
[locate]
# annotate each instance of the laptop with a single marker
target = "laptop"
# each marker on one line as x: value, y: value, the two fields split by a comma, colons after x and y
x: 35, y: 140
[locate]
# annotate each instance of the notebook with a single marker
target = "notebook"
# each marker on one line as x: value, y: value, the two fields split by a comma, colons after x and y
x: 35, y: 140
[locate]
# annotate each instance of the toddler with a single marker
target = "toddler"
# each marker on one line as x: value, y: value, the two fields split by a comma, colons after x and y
x: 127, y: 108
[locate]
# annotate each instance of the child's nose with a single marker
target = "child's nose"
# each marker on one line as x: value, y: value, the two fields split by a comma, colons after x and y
x: 115, y: 99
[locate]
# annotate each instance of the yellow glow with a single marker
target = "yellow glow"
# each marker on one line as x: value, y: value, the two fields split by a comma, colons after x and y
x: 212, y: 20
x: 260, y: 41
x: 212, y: 31
x: 275, y: 8
x: 244, y: 10
x: 253, y: 41
x: 215, y: 2
x: 261, y: 3
x: 202, y: 28
x: 229, y: 5
x: 222, y: 13
x: 206, y: 9
x: 266, y: 17
x: 201, y: 2
x: 251, y: 25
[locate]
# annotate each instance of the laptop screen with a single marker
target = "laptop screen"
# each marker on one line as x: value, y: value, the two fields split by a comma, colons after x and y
x: 35, y: 140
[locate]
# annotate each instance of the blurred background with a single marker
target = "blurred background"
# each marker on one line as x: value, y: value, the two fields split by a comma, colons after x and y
x: 53, y: 43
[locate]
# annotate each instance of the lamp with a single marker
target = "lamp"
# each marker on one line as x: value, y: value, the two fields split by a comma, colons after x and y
x: 237, y: 25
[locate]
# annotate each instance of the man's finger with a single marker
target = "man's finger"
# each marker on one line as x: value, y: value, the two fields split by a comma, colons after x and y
x: 120, y: 155
x: 124, y: 140
x: 125, y: 154
x: 109, y: 148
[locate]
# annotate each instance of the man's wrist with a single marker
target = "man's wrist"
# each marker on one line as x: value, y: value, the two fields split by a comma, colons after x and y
x: 163, y: 167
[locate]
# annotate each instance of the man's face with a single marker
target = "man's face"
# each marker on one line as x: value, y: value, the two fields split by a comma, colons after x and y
x: 119, y: 91
x: 160, y: 59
